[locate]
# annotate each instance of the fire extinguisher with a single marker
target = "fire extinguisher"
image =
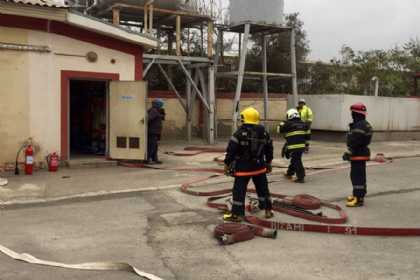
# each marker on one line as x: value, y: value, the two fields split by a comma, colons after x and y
x: 53, y: 161
x: 29, y: 160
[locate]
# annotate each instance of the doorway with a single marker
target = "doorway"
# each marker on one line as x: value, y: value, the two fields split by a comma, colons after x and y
x: 88, y: 118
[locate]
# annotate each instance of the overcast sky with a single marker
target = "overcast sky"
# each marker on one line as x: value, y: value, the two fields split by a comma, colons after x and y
x: 361, y: 24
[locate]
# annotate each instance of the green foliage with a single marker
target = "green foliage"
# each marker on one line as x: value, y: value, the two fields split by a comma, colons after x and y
x: 353, y: 73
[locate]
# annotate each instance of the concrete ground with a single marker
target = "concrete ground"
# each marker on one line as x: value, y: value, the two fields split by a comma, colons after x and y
x: 168, y: 233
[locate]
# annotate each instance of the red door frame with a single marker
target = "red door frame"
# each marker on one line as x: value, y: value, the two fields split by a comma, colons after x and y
x: 66, y: 76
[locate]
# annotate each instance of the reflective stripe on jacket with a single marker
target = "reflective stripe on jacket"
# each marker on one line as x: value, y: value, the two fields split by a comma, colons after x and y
x: 295, y: 132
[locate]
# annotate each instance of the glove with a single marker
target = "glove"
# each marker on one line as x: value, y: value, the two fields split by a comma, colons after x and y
x: 346, y: 156
x: 279, y: 127
x: 228, y: 170
x: 269, y: 168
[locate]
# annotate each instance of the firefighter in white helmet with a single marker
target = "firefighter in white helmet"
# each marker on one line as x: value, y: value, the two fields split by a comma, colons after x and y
x: 295, y: 133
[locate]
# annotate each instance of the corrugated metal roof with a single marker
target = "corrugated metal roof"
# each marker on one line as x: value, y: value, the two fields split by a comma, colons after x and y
x: 42, y: 3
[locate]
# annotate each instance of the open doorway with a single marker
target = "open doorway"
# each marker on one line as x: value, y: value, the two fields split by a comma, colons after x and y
x: 88, y: 118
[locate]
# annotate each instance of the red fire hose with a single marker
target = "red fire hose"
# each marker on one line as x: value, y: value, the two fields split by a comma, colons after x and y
x: 301, y: 202
x: 298, y: 206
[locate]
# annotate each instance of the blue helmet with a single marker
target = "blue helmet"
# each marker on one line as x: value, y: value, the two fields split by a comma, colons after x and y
x: 158, y: 103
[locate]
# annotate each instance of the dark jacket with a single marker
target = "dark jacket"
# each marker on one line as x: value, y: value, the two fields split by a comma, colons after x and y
x: 250, y: 149
x: 295, y: 133
x: 359, y: 138
x: 155, y: 117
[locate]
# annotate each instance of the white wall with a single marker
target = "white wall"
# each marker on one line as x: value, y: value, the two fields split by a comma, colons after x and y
x: 332, y: 112
x: 45, y: 80
x: 36, y: 85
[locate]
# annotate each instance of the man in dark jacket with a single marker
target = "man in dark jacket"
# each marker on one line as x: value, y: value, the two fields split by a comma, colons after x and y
x: 358, y: 140
x: 248, y: 156
x: 295, y: 132
x: 155, y: 116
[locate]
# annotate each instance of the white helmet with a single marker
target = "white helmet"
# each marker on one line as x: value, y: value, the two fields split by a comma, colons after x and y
x: 293, y: 114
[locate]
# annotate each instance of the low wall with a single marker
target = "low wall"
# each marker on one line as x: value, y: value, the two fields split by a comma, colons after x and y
x: 175, y: 123
x: 386, y: 114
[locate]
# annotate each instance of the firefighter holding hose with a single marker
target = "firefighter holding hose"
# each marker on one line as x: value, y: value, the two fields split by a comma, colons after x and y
x: 358, y: 140
x: 248, y: 156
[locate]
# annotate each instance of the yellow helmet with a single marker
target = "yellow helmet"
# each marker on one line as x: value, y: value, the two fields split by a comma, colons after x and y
x: 250, y: 116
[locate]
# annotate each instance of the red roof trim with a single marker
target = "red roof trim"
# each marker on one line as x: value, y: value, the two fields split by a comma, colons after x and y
x: 73, y: 32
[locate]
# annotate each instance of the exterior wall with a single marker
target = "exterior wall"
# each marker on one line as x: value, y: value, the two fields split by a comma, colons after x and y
x: 35, y: 84
x: 174, y: 126
x: 224, y: 111
x: 384, y: 113
x: 14, y: 95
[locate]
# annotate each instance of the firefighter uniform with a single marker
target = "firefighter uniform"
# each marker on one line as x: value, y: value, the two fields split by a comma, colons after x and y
x: 155, y: 116
x: 295, y: 132
x: 307, y: 116
x: 358, y: 139
x: 248, y: 156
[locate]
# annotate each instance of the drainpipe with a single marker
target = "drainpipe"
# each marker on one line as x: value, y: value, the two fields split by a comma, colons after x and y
x: 376, y: 80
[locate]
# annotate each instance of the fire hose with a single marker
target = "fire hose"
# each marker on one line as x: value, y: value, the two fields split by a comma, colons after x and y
x: 296, y: 207
x: 109, y: 266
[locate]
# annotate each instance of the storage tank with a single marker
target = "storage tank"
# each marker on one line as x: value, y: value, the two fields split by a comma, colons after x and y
x: 257, y: 11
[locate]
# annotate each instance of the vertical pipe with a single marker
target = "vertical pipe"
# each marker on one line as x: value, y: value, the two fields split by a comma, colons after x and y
x: 146, y: 23
x: 265, y: 79
x: 178, y: 35
x: 293, y: 64
x: 151, y: 7
x: 116, y: 16
x: 210, y: 39
x: 212, y: 104
x: 188, y: 103
x: 241, y: 72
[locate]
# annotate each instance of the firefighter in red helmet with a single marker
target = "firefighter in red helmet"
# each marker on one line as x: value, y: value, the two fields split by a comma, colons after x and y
x: 358, y: 140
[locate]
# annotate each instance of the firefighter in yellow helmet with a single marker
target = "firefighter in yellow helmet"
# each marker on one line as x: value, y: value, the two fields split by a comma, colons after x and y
x: 248, y: 156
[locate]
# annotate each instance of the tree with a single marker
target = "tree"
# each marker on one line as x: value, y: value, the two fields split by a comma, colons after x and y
x: 353, y: 73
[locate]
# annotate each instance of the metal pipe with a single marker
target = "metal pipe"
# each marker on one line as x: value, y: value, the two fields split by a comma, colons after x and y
x: 376, y: 80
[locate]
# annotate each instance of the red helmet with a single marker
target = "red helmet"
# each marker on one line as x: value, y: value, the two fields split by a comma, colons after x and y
x: 359, y: 108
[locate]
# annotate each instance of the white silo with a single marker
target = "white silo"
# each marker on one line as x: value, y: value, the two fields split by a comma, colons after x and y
x: 257, y: 11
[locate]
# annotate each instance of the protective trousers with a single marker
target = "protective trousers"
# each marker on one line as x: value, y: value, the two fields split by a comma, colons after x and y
x: 239, y: 193
x: 358, y: 178
x: 152, y: 147
x: 296, y: 165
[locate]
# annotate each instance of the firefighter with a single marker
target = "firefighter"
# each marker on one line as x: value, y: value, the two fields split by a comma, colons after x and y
x: 155, y: 117
x: 295, y: 132
x: 307, y: 117
x: 358, y: 140
x: 248, y: 156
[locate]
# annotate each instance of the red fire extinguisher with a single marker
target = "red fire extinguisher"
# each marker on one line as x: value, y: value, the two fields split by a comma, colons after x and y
x: 53, y: 161
x: 29, y: 160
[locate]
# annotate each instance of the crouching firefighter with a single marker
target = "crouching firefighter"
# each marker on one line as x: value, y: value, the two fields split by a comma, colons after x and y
x: 248, y: 156
x: 295, y: 132
x: 358, y: 140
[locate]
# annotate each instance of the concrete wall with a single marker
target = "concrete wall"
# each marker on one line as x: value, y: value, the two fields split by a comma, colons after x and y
x: 30, y: 94
x: 224, y: 111
x: 332, y: 112
x: 14, y: 95
x: 174, y: 126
